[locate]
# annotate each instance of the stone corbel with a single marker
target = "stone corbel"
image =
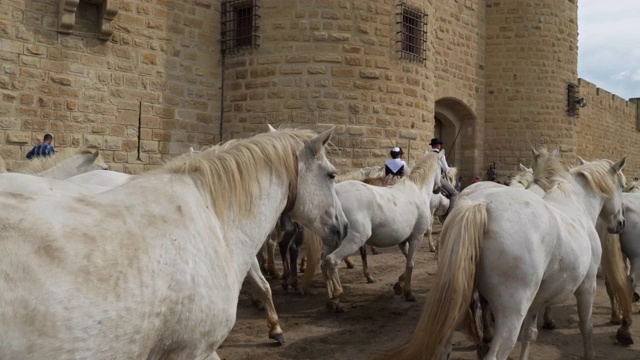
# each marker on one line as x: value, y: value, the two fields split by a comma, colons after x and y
x: 67, y: 16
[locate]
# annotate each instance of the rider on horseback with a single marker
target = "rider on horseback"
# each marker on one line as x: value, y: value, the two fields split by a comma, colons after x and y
x: 395, y: 166
x: 448, y: 190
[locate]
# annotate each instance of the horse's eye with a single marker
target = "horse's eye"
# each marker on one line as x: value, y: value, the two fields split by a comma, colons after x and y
x: 332, y: 176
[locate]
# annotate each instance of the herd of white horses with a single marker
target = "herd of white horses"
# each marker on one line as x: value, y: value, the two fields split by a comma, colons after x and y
x: 105, y: 265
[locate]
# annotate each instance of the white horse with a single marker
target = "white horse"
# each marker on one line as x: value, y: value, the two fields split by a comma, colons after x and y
x: 384, y: 216
x: 439, y: 205
x: 153, y: 268
x: 522, y: 252
x: 65, y: 164
x: 105, y: 178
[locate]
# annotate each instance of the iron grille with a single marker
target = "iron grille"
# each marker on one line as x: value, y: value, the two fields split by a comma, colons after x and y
x: 412, y: 34
x: 239, y: 25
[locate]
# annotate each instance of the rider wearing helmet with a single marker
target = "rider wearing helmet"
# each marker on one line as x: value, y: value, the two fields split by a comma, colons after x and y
x: 395, y: 166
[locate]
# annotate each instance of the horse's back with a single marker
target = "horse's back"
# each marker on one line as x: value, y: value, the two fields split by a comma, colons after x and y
x: 85, y: 279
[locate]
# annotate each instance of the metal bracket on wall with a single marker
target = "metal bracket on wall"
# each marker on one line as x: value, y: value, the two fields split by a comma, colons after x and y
x: 107, y: 11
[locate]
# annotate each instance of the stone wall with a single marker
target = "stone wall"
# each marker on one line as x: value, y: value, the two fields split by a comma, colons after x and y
x: 457, y: 42
x: 531, y: 55
x: 330, y: 62
x: 85, y: 91
x: 608, y: 128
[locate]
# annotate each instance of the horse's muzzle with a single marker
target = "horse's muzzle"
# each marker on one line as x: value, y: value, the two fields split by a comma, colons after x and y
x: 617, y: 229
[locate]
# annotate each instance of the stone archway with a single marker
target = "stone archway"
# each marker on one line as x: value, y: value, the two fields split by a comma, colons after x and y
x: 455, y: 125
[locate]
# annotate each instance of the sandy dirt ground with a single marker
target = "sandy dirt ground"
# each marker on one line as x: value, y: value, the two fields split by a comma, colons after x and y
x: 377, y: 320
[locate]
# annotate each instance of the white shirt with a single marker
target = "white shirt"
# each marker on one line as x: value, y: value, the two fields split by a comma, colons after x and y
x: 442, y: 159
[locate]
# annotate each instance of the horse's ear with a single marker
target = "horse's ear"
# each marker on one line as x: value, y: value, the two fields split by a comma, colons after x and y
x: 318, y: 143
x: 582, y: 161
x: 96, y: 154
x: 534, y: 152
x: 523, y: 168
x: 271, y: 128
x: 555, y: 153
x: 620, y: 164
x: 191, y: 150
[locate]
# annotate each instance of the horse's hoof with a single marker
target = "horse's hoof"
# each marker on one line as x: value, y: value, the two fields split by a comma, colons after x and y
x: 370, y: 280
x: 624, y: 338
x: 410, y: 298
x: 277, y: 337
x: 333, y: 306
x: 350, y: 265
x: 432, y: 248
x: 549, y: 325
x: 397, y: 288
x: 302, y: 269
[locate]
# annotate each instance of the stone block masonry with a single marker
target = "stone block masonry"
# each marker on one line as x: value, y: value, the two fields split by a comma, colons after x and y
x: 86, y: 91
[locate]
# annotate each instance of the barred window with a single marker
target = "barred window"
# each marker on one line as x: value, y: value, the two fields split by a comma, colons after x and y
x: 239, y: 25
x: 412, y: 33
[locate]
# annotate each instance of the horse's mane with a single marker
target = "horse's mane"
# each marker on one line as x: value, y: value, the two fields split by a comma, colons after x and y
x: 598, y: 176
x: 634, y: 185
x: 548, y: 170
x: 3, y: 166
x: 452, y: 174
x: 421, y: 172
x: 360, y: 174
x: 524, y: 178
x: 228, y: 171
x: 43, y: 163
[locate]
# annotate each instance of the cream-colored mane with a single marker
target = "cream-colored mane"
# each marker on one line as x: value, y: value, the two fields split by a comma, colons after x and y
x: 598, y: 176
x: 44, y: 163
x: 423, y: 169
x: 361, y: 174
x: 524, y: 178
x: 548, y: 171
x: 228, y: 172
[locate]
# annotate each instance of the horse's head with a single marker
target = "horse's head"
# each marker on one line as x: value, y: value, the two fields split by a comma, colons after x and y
x: 610, y: 181
x: 613, y: 209
x: 316, y: 204
x: 92, y: 161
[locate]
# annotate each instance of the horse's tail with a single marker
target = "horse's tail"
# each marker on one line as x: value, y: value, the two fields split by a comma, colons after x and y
x: 613, y: 268
x: 3, y: 166
x: 448, y: 301
x: 313, y: 252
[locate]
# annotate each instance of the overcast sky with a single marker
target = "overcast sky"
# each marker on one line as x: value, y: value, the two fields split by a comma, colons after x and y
x: 608, y: 45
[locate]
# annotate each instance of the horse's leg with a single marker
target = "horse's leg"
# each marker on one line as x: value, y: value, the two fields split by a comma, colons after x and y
x: 303, y: 264
x: 616, y: 317
x: 414, y: 243
x: 487, y: 321
x: 529, y: 334
x: 263, y: 290
x: 293, y: 260
x: 584, y: 297
x: 548, y: 322
x: 432, y: 245
x: 262, y: 260
x: 365, y: 266
x: 349, y: 262
x: 272, y: 241
x: 507, y: 327
x: 348, y: 246
x: 398, y: 286
x: 284, y: 245
x: 374, y: 250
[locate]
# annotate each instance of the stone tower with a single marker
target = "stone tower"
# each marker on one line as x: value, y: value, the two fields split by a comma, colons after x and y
x: 531, y: 57
x: 322, y: 63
